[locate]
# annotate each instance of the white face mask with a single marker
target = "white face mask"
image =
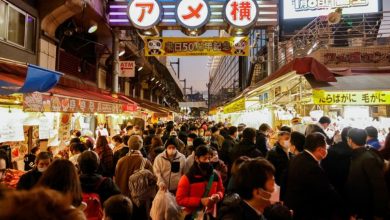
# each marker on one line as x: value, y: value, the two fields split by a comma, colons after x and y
x: 42, y: 169
x: 286, y: 144
x: 171, y: 152
x: 189, y: 143
x: 265, y: 195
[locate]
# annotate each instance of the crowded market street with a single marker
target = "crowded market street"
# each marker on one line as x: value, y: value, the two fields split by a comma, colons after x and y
x: 195, y: 109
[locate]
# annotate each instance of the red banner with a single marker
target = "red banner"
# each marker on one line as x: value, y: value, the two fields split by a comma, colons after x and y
x: 37, y: 102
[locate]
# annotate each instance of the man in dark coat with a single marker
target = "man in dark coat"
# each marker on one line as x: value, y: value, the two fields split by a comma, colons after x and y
x: 228, y: 145
x: 279, y: 156
x: 309, y: 193
x: 254, y: 192
x: 29, y: 179
x: 366, y: 186
x: 262, y: 138
x: 336, y: 164
x: 247, y: 146
x: 324, y: 123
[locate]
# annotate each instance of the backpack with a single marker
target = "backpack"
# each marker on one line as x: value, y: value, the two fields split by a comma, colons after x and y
x: 142, y: 185
x: 94, y: 210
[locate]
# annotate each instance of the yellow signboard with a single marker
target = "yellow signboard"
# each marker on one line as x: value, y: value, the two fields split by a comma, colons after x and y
x: 210, y: 46
x: 235, y: 106
x: 322, y: 97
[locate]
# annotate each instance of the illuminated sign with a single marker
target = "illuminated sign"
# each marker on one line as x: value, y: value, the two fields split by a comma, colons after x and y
x: 218, y: 46
x: 321, y: 97
x: 236, y: 106
x: 144, y: 14
x: 192, y: 14
x: 293, y: 9
x: 241, y: 13
x: 119, y: 13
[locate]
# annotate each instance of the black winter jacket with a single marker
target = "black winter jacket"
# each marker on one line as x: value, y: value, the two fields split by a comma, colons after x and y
x: 106, y: 189
x: 29, y: 179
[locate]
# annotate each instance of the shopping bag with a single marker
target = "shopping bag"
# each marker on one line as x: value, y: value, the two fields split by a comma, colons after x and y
x: 172, y: 209
x: 164, y: 207
x: 157, y: 212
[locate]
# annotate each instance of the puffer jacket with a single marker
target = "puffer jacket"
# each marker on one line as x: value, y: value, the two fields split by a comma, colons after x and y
x: 169, y: 171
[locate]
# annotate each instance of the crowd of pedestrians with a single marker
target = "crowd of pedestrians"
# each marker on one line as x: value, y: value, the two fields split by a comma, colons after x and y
x: 205, y: 170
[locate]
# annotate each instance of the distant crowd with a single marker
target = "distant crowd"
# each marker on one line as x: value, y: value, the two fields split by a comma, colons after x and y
x: 204, y: 170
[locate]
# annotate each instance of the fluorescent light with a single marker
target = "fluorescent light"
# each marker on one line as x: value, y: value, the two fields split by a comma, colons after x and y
x: 140, y: 68
x: 122, y: 52
x: 93, y: 28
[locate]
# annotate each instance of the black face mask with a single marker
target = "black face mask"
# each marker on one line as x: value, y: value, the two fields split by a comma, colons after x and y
x: 205, y: 168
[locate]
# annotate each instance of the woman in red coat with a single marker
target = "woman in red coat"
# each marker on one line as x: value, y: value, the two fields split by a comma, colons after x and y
x: 201, y: 188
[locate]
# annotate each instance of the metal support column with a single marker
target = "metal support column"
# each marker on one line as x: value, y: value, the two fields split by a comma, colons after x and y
x: 115, y: 65
x: 270, y: 50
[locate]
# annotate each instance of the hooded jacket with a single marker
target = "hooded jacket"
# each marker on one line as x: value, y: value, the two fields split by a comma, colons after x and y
x: 169, y: 171
x: 106, y: 188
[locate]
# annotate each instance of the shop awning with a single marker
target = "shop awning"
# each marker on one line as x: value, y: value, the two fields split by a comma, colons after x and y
x: 306, y: 66
x: 156, y: 108
x: 357, y: 79
x: 37, y: 79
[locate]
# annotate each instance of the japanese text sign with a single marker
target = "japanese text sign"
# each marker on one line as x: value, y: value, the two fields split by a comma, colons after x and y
x: 236, y: 106
x: 218, y: 46
x: 126, y: 68
x: 241, y: 13
x: 192, y: 14
x: 144, y: 14
x: 321, y: 97
x: 36, y: 102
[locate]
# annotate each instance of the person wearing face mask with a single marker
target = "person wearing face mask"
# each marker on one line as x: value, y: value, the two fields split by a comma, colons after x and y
x: 201, y: 188
x: 309, y: 193
x: 366, y: 186
x: 169, y: 166
x: 280, y: 156
x: 254, y: 191
x: 29, y: 179
x: 218, y: 165
x: 262, y: 138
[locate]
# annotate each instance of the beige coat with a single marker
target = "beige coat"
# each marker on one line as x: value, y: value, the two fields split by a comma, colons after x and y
x: 125, y: 167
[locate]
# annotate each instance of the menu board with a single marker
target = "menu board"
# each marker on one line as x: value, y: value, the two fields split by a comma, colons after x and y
x: 11, y: 126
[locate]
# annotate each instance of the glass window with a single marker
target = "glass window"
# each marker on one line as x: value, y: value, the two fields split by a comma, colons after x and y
x: 30, y: 36
x: 16, y: 26
x: 3, y: 19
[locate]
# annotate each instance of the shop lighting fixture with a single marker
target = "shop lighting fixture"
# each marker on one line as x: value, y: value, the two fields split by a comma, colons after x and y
x: 92, y: 28
x: 152, y: 79
x: 122, y: 52
x: 140, y: 68
x: 157, y: 82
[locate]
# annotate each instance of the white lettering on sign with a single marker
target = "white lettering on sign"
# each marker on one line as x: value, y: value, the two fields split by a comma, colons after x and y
x: 144, y: 14
x: 241, y: 13
x: 192, y: 14
x: 126, y: 68
x: 295, y: 9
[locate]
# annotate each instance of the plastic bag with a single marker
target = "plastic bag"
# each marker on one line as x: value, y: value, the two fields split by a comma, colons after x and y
x: 164, y: 207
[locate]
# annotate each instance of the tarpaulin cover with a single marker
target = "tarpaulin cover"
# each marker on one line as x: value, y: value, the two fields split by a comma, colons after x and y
x: 37, y: 80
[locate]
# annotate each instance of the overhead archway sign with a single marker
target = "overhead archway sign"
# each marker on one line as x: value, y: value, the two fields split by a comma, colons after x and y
x: 144, y: 14
x: 192, y: 14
